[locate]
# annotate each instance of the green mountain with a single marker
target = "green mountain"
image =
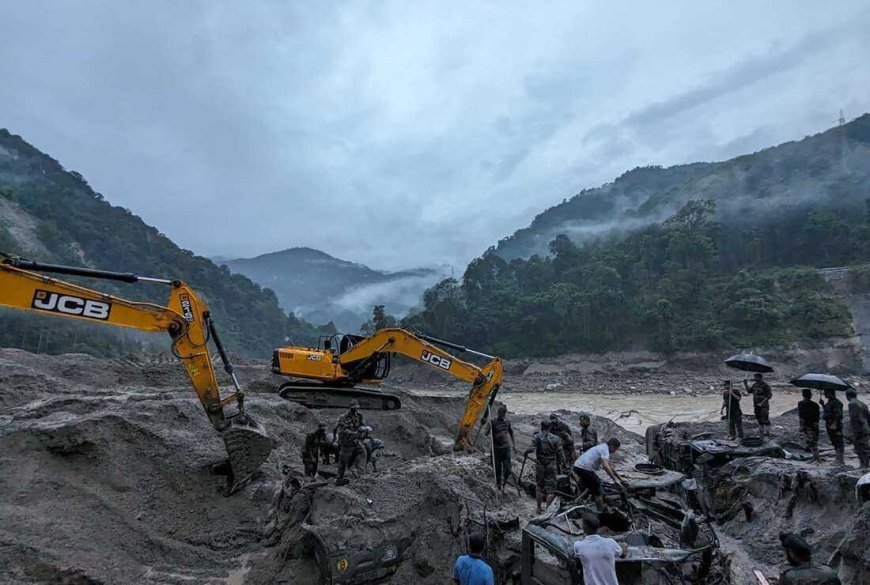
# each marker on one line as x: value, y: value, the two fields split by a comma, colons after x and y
x: 320, y: 288
x: 830, y: 167
x: 696, y: 257
x: 50, y: 214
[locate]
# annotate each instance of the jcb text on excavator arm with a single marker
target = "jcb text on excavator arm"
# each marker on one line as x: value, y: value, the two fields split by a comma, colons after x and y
x: 359, y: 362
x: 186, y: 319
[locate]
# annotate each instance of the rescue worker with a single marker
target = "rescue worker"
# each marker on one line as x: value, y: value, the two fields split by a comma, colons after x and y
x: 374, y: 448
x: 588, y: 435
x: 731, y: 407
x: 833, y: 415
x: 761, y: 395
x: 502, y: 442
x: 548, y: 463
x: 809, y: 414
x: 563, y: 431
x: 586, y: 470
x: 859, y: 419
x: 351, y: 451
x: 312, y: 447
x: 802, y: 570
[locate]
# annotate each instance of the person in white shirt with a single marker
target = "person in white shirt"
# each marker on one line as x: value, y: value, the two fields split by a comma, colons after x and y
x: 587, y: 465
x: 598, y: 554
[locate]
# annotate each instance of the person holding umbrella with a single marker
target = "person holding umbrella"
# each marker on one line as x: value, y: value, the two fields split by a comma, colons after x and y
x: 733, y: 413
x: 761, y: 395
x: 832, y: 412
x: 859, y: 418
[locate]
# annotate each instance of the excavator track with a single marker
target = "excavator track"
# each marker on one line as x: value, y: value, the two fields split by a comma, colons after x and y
x: 314, y: 395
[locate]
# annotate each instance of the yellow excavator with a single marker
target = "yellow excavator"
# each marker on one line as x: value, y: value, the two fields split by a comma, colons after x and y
x: 186, y: 319
x: 334, y: 370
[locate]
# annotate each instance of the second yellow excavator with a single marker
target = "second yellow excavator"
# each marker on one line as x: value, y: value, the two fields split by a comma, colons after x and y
x: 186, y: 319
x: 344, y: 361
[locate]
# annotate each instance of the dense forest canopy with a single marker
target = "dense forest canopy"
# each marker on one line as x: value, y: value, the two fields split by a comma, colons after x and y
x: 688, y: 283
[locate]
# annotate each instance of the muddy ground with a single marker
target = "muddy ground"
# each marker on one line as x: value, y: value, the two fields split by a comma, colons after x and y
x: 106, y: 471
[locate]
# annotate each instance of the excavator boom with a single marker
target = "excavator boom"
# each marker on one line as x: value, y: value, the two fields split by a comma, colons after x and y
x: 186, y: 319
x: 361, y: 361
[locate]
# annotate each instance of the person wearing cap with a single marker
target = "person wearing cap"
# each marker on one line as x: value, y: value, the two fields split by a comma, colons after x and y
x: 802, y: 570
x: 809, y: 414
x: 761, y: 395
x: 563, y: 431
x: 832, y: 412
x: 859, y: 420
x: 502, y: 443
x: 731, y: 408
x: 351, y: 451
x: 314, y: 444
x: 548, y: 461
x: 588, y: 435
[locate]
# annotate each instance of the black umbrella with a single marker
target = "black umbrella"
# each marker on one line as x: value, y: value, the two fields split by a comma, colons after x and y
x: 820, y: 382
x: 749, y: 363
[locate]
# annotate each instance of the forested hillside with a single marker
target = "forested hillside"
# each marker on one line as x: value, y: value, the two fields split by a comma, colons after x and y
x: 52, y: 215
x: 701, y: 278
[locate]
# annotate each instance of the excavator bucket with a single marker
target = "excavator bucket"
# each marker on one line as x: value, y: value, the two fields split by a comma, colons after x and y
x: 248, y: 446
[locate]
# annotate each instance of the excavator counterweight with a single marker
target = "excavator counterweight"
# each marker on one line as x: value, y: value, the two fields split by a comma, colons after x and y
x: 186, y: 319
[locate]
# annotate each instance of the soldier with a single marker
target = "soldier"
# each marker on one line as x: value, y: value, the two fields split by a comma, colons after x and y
x: 502, y: 441
x: 373, y: 448
x: 350, y: 448
x: 312, y: 447
x: 563, y: 431
x: 588, y: 435
x: 808, y: 417
x: 733, y: 413
x: 549, y: 460
x: 833, y: 415
x: 802, y: 570
x: 859, y: 419
x: 761, y: 395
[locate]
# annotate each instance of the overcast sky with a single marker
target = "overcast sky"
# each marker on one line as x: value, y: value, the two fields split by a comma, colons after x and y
x: 405, y: 133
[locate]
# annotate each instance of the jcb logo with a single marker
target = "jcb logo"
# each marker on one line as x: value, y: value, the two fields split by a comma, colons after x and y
x: 186, y: 310
x: 435, y: 360
x: 69, y: 305
x: 315, y: 357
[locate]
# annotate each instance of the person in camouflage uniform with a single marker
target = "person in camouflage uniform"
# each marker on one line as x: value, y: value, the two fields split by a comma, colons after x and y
x: 563, y: 431
x: 733, y: 412
x: 833, y: 415
x: 588, y: 435
x: 859, y: 420
x: 809, y: 414
x: 312, y: 447
x: 351, y: 451
x: 549, y: 458
x: 761, y: 395
x: 802, y: 570
x: 502, y: 442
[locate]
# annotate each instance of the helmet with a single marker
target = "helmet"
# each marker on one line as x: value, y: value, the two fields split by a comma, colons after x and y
x: 354, y: 404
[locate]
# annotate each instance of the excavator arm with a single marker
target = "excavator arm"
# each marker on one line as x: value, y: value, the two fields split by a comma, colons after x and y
x: 186, y: 319
x: 485, y: 381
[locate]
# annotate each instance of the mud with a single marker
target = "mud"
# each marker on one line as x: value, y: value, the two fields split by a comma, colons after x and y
x: 107, y: 478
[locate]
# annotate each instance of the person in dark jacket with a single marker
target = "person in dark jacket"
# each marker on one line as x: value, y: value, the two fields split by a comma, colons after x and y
x: 731, y: 407
x: 312, y: 447
x: 351, y: 452
x: 802, y: 570
x: 563, y: 431
x: 809, y: 414
x: 503, y: 442
x: 859, y: 420
x: 549, y: 460
x: 588, y: 435
x: 761, y: 395
x: 833, y: 415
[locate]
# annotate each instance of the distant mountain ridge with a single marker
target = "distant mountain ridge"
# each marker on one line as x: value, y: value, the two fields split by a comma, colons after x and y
x: 321, y: 288
x: 833, y: 165
x: 50, y: 214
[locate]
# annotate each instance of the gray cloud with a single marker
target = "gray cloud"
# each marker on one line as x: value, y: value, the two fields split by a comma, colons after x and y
x: 403, y: 134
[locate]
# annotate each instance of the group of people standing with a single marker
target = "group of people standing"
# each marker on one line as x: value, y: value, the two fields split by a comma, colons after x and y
x: 810, y: 414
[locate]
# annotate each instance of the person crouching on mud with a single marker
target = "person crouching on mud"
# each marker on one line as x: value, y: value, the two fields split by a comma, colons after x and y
x: 587, y: 466
x: 549, y: 461
x: 502, y: 441
x: 312, y: 448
